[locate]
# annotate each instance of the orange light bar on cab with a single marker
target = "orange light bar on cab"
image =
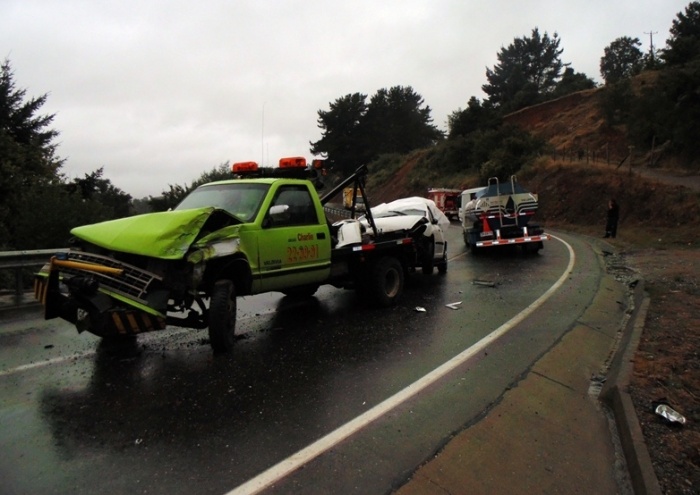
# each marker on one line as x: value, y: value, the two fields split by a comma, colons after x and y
x: 242, y: 167
x: 293, y: 162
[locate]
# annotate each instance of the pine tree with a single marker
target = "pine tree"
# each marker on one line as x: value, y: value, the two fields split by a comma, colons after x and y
x: 27, y: 150
x: 526, y: 73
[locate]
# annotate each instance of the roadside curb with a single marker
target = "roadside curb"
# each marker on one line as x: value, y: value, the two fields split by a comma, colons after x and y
x: 615, y: 395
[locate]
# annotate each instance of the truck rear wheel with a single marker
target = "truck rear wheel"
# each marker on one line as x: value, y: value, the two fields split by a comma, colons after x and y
x: 222, y: 316
x: 442, y: 265
x: 386, y: 281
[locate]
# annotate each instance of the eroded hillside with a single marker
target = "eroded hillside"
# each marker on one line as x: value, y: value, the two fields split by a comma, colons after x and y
x: 573, y: 124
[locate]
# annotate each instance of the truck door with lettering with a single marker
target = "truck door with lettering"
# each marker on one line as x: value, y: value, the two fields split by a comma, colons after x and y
x: 294, y: 244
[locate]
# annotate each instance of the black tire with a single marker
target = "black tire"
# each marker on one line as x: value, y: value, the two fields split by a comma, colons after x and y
x: 385, y: 284
x: 532, y: 248
x: 442, y: 266
x: 429, y: 257
x: 222, y: 316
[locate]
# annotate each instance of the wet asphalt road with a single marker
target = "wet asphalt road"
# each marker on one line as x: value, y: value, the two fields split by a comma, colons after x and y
x: 163, y: 415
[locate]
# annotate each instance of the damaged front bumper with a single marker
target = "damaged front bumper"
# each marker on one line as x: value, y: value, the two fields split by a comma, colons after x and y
x: 100, y: 294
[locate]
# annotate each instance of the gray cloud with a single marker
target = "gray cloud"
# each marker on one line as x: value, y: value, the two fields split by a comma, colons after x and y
x: 157, y: 92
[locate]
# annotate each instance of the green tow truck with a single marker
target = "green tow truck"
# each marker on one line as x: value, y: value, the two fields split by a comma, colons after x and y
x: 264, y: 230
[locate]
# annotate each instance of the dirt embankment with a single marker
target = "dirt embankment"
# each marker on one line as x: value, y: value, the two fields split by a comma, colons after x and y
x: 573, y: 124
x: 398, y: 186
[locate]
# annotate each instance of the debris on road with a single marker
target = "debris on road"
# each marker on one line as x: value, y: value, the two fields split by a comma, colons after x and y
x: 485, y: 283
x: 454, y: 305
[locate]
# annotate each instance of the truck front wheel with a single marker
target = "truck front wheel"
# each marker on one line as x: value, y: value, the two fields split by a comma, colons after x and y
x: 222, y: 316
x: 386, y: 281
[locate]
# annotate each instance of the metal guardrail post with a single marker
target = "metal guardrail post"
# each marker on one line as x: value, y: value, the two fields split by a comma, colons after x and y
x: 18, y: 286
x: 16, y: 262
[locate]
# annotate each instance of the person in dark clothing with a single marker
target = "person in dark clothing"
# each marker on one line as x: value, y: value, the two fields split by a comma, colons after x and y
x: 613, y: 217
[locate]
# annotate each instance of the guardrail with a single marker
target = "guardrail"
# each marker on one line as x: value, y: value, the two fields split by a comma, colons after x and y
x: 16, y: 289
x: 336, y: 213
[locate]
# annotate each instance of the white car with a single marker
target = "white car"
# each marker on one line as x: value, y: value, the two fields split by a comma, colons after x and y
x: 412, y: 214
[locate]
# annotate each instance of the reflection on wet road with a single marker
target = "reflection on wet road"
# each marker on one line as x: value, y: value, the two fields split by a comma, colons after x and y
x: 161, y: 414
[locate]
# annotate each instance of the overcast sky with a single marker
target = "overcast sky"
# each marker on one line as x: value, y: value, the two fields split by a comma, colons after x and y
x: 157, y: 92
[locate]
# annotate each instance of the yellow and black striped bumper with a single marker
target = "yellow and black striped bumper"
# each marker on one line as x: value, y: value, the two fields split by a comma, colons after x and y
x: 117, y: 319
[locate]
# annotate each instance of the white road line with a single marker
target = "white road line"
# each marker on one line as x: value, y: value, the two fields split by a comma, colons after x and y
x: 41, y: 364
x: 78, y: 355
x: 297, y: 460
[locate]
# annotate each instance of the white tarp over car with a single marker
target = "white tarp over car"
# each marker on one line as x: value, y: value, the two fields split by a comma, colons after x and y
x: 401, y: 213
x: 416, y: 214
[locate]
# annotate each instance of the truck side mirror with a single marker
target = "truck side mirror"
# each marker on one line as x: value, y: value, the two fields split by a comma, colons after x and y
x: 277, y: 210
x: 276, y: 215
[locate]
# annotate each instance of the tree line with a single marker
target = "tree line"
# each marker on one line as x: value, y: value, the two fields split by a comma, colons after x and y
x: 39, y: 204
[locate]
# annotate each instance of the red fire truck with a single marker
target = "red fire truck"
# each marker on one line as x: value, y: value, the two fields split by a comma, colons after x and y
x: 448, y: 200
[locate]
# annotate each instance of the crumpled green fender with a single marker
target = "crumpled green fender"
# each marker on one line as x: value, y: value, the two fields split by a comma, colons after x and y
x: 165, y: 235
x: 222, y: 242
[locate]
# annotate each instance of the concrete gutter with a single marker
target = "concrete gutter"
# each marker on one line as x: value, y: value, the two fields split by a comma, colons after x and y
x: 615, y: 394
x: 549, y: 434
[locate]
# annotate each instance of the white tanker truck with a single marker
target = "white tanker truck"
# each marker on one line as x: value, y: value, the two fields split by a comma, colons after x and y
x: 498, y: 215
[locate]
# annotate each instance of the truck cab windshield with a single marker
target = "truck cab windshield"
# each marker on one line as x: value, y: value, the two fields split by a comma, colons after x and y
x: 242, y: 200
